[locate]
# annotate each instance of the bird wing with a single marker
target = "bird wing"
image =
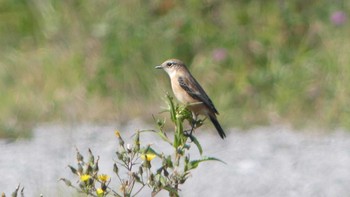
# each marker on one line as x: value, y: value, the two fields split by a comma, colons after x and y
x: 192, y: 87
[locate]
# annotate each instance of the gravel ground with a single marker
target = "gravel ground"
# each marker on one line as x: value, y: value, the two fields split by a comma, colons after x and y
x: 266, y: 161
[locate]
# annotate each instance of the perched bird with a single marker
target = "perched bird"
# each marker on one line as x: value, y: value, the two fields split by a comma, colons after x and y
x: 188, y: 91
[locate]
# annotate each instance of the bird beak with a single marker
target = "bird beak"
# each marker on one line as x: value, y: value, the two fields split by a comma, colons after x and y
x: 158, y: 67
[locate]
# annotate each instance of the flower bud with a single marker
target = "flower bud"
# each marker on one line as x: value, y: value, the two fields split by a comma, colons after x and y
x: 115, y: 168
x: 91, y: 157
x: 136, y: 177
x: 80, y: 169
x: 74, y: 171
x: 140, y: 170
x: 67, y: 182
x: 80, y: 157
x: 137, y: 142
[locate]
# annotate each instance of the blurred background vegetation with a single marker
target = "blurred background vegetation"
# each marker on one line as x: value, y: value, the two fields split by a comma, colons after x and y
x: 262, y: 62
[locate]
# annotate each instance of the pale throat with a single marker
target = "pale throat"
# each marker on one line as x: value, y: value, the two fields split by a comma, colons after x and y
x: 172, y: 73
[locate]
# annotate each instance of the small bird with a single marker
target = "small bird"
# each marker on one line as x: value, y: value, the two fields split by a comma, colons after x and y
x: 188, y: 91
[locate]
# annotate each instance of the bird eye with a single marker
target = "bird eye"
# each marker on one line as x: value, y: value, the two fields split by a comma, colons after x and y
x: 169, y: 64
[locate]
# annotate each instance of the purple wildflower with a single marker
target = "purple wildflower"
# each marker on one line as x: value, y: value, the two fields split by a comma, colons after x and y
x: 338, y: 18
x: 219, y: 54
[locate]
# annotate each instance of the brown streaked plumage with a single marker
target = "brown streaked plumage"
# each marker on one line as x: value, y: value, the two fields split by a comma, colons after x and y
x: 188, y: 91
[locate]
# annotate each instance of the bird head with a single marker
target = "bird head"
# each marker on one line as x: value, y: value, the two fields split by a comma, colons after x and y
x: 171, y: 65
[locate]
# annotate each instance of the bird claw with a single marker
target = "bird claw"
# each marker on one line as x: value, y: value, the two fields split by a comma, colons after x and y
x: 188, y: 133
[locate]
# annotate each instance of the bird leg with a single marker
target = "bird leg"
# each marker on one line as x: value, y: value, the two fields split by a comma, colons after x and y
x: 193, y: 122
x: 189, y: 131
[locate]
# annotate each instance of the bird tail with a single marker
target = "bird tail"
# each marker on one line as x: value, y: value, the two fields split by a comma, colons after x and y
x: 217, y: 125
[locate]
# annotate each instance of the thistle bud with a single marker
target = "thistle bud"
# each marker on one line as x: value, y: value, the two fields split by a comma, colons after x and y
x: 91, y: 157
x: 187, y: 159
x: 166, y: 173
x: 147, y: 164
x: 129, y: 148
x: 151, y: 178
x: 136, y: 177
x: 14, y: 194
x: 159, y: 170
x: 121, y: 141
x: 88, y: 169
x: 137, y: 142
x: 103, y: 186
x: 96, y: 168
x: 74, y: 171
x: 159, y: 184
x: 119, y: 155
x: 140, y: 170
x: 115, y: 168
x: 67, y: 182
x: 80, y: 169
x: 169, y: 162
x: 80, y: 157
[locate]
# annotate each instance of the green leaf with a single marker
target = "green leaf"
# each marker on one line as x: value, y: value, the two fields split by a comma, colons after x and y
x: 161, y: 135
x: 169, y: 162
x: 149, y: 150
x: 196, y: 142
x: 171, y: 190
x: 194, y: 164
x: 171, y: 107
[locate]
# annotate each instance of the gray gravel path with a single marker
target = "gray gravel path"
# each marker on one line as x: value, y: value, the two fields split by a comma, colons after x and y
x: 266, y: 161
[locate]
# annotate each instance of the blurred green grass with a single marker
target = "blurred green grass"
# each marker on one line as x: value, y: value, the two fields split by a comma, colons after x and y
x: 262, y: 62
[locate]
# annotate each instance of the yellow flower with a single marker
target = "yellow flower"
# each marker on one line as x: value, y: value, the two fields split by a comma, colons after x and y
x: 103, y: 177
x: 117, y: 133
x: 148, y: 156
x: 100, y: 192
x: 84, y: 177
